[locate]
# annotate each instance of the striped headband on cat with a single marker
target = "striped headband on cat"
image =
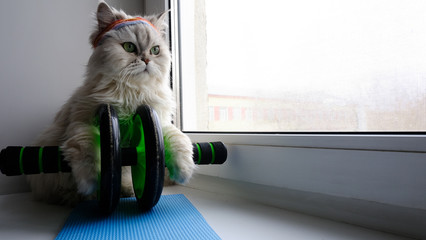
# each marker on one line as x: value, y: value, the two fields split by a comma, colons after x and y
x: 119, y: 24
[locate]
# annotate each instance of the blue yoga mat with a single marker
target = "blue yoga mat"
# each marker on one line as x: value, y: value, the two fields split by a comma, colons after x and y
x: 174, y: 217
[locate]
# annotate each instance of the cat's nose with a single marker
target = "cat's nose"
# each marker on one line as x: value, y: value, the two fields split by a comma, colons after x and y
x: 146, y: 60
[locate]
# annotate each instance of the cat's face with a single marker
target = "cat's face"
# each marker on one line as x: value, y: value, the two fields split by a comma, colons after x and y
x: 136, y: 52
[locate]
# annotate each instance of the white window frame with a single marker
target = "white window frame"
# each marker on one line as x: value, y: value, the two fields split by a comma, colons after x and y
x: 364, y: 167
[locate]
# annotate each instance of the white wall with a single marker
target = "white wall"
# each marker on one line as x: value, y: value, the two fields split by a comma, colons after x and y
x: 44, y: 48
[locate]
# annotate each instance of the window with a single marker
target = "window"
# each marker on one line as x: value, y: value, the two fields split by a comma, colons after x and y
x: 363, y: 168
x: 373, y: 167
x: 351, y: 66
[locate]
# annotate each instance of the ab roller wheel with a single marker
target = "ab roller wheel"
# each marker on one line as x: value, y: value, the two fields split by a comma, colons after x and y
x: 137, y: 143
x: 110, y: 174
x: 148, y: 173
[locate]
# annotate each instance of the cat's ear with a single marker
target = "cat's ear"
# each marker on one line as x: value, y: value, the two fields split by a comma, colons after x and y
x: 160, y: 21
x: 105, y: 15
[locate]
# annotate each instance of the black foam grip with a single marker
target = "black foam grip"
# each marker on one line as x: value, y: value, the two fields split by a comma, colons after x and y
x: 195, y: 153
x: 220, y: 152
x: 51, y: 161
x: 9, y: 161
x: 30, y: 160
x: 203, y: 153
x: 206, y: 153
x: 50, y: 158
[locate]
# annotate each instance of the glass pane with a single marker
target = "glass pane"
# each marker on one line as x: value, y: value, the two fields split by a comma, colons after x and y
x: 304, y: 65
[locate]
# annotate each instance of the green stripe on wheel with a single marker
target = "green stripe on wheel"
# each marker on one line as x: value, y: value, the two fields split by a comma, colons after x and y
x: 199, y: 153
x: 139, y: 170
x: 213, y: 154
x: 21, y: 165
x: 40, y: 160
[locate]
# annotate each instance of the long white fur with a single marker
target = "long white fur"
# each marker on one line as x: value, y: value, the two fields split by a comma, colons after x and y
x: 123, y: 80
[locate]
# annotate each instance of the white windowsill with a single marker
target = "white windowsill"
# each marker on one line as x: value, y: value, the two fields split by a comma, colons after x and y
x: 231, y: 217
x: 372, y: 180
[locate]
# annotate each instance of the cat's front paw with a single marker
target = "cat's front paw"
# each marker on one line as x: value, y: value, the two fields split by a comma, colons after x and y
x: 80, y: 155
x: 181, y: 170
x: 85, y: 177
x: 178, y: 155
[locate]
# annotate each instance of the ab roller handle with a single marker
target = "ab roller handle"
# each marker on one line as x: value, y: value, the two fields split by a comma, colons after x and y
x: 17, y: 160
x: 146, y: 158
x: 32, y: 160
x: 209, y: 153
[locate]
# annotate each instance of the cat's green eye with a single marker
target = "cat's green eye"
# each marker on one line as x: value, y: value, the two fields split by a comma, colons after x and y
x: 129, y: 47
x: 155, y: 50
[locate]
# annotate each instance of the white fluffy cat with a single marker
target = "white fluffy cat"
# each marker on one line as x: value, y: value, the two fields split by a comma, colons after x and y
x: 129, y: 66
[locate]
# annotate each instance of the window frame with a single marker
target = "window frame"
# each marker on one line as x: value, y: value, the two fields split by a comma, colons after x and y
x: 338, y: 150
x: 372, y: 141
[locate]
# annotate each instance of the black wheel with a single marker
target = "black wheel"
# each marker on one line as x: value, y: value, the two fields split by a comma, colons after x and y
x: 148, y: 173
x: 110, y: 175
